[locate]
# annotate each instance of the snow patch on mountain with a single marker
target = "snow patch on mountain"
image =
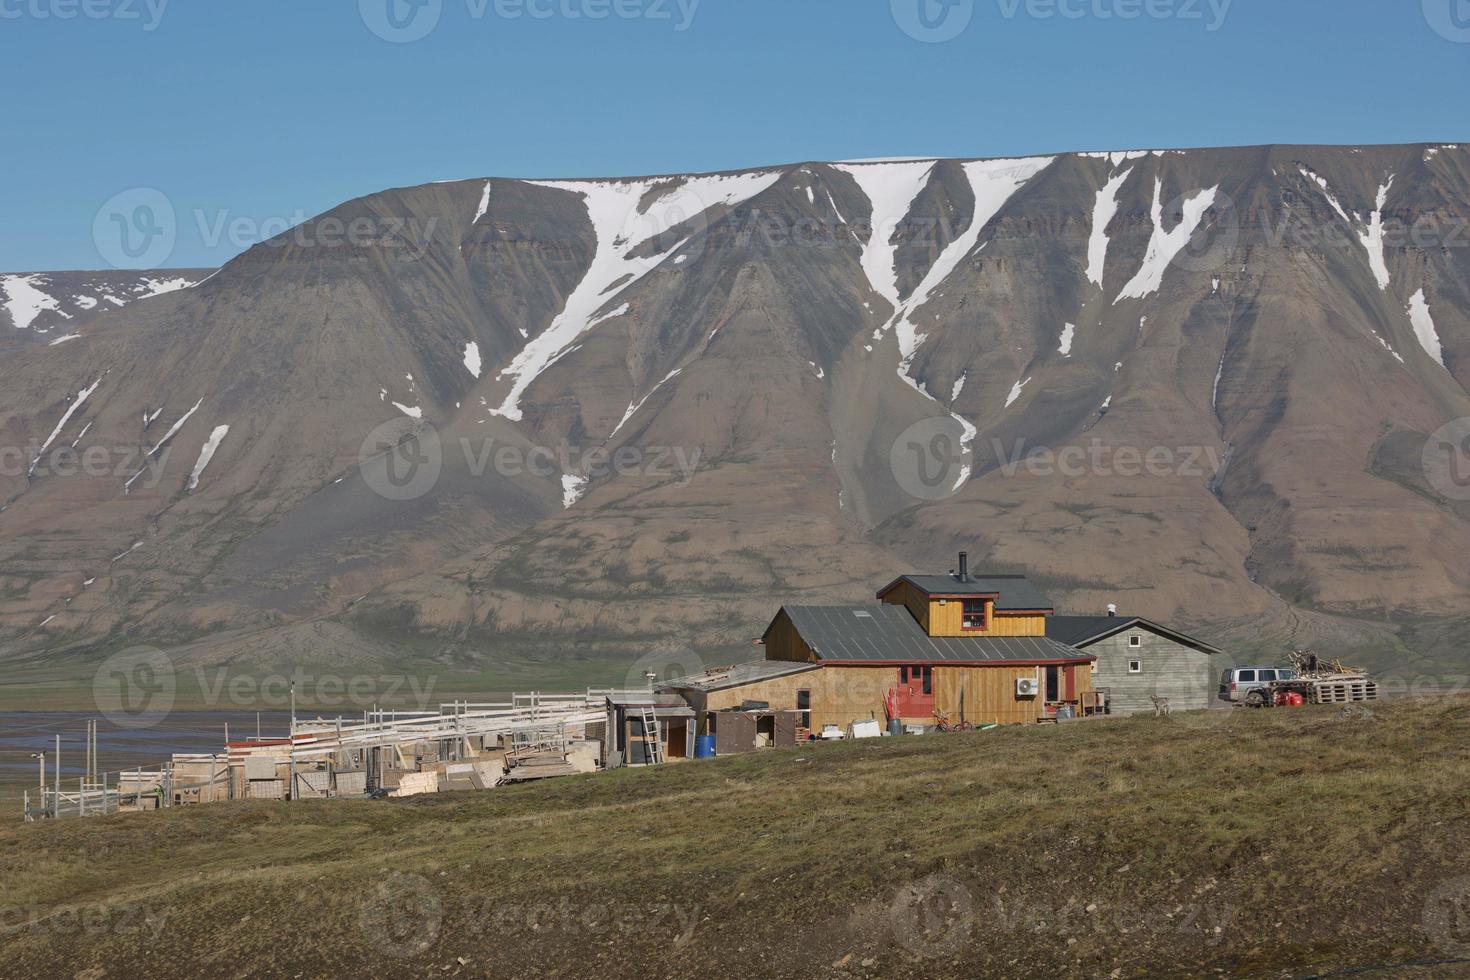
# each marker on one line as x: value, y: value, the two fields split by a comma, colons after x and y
x: 25, y: 300
x: 472, y: 362
x: 1165, y: 246
x: 41, y: 301
x: 993, y: 183
x: 1016, y: 392
x: 71, y: 410
x: 1321, y: 182
x: 621, y: 222
x: 891, y: 188
x: 157, y: 287
x: 1372, y: 238
x: 1065, y: 348
x: 206, y: 453
x: 484, y: 203
x: 173, y: 429
x: 572, y: 489
x: 1102, y: 213
x: 872, y: 160
x: 633, y: 407
x: 1116, y: 157
x: 1424, y: 327
x: 1386, y: 345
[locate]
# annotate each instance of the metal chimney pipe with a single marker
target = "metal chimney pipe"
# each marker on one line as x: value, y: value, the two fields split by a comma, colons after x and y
x: 964, y: 566
x: 1112, y: 609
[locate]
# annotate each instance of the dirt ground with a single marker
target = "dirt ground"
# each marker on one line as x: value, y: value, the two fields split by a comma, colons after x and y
x: 1280, y: 843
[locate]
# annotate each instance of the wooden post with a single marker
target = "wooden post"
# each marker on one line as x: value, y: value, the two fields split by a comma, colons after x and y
x: 291, y: 748
x: 56, y: 797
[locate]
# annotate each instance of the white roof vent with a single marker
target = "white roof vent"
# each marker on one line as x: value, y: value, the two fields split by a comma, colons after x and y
x: 862, y: 614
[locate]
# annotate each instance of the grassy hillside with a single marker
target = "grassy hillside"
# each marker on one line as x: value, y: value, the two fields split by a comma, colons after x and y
x: 1273, y: 843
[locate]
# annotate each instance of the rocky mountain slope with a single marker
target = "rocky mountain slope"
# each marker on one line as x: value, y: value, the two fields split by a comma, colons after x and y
x: 46, y: 307
x: 504, y: 420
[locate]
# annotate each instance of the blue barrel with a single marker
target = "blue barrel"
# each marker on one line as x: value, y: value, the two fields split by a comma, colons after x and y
x: 704, y: 747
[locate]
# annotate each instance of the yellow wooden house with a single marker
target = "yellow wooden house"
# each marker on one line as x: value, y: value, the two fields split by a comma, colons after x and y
x: 934, y: 649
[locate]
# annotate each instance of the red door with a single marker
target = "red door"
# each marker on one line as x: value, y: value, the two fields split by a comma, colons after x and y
x: 916, y: 692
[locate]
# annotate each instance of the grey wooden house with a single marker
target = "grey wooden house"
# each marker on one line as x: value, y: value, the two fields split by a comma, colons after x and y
x: 1137, y: 658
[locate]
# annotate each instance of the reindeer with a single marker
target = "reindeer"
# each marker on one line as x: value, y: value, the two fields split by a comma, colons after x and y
x: 1161, y: 705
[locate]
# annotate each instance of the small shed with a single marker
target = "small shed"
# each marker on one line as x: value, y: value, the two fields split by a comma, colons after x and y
x: 629, y: 738
x: 739, y: 730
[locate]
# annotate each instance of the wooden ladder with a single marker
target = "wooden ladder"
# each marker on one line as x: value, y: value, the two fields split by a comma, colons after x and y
x: 652, y: 737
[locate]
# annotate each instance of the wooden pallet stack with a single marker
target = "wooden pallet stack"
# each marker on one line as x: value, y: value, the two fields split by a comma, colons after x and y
x: 1344, y: 690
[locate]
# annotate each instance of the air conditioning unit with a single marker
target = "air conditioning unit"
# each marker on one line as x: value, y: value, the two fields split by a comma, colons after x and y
x: 1026, y: 687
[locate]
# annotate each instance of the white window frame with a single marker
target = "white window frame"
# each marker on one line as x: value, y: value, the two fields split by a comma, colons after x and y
x: 1135, y: 641
x: 1135, y: 663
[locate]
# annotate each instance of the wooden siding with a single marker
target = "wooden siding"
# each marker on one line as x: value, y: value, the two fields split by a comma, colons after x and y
x: 1018, y: 624
x: 946, y: 617
x: 904, y: 594
x: 948, y: 620
x: 840, y: 695
x: 843, y: 695
x: 783, y: 642
x: 989, y: 693
x: 1171, y: 670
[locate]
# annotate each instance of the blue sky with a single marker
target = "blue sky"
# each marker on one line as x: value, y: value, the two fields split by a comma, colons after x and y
x: 246, y: 115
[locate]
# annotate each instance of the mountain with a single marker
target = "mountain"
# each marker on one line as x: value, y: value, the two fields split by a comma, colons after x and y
x: 576, y: 422
x: 44, y: 307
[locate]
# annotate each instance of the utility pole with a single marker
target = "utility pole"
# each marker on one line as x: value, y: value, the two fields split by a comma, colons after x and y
x: 292, y: 746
